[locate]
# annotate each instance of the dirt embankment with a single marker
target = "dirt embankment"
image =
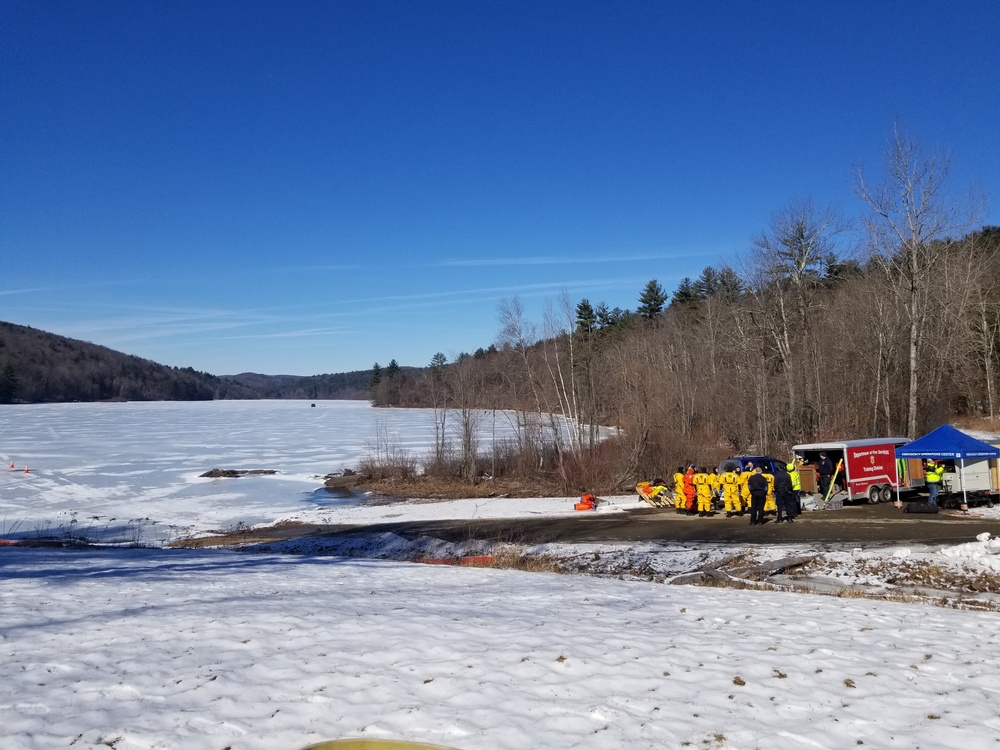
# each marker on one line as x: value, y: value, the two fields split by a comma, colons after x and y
x: 438, y: 488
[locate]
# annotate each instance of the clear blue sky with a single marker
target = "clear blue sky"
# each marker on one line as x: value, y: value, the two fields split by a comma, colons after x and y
x: 307, y: 187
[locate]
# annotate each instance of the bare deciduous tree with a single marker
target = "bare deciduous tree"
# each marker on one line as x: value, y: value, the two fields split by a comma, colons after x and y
x: 909, y: 222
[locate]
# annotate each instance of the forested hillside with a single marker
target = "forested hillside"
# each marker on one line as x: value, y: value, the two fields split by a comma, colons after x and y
x: 342, y: 385
x: 821, y: 330
x: 39, y: 366
x: 795, y: 345
x: 36, y: 366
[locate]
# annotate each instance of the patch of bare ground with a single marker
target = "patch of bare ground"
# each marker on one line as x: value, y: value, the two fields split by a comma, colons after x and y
x: 233, y: 473
x: 243, y: 535
x: 445, y: 488
x: 909, y: 580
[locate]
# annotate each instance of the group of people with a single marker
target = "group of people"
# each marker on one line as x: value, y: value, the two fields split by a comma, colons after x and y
x: 751, y: 489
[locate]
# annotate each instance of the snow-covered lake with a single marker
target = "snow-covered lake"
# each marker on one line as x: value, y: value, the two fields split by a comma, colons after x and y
x: 131, y: 471
x: 143, y: 649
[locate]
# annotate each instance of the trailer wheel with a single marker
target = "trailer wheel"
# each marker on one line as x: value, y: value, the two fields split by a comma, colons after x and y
x: 887, y: 494
x: 874, y: 494
x: 989, y: 501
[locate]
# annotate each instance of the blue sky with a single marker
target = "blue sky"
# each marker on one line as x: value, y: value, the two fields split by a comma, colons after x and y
x: 308, y: 187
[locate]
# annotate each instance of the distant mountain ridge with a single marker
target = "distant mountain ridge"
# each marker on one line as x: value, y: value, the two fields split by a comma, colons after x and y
x: 38, y: 366
x: 343, y: 385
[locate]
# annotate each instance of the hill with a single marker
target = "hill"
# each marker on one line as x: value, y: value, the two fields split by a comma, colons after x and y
x: 344, y: 385
x: 37, y: 366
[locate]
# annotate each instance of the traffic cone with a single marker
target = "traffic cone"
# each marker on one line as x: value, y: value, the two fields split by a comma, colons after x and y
x: 26, y: 470
x: 12, y: 464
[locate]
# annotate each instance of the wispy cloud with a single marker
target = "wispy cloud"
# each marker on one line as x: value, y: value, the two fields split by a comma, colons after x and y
x: 302, y: 333
x: 35, y: 290
x: 559, y: 261
x: 336, y: 268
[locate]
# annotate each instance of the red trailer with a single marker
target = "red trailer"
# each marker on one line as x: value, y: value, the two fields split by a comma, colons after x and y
x: 868, y: 468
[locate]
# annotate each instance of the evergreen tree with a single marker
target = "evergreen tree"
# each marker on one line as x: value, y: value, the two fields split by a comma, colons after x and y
x: 839, y: 271
x: 438, y: 361
x: 586, y: 318
x: 707, y: 284
x: 376, y: 377
x: 729, y: 288
x: 603, y: 315
x: 651, y: 300
x: 685, y: 294
x: 8, y: 384
x: 392, y: 369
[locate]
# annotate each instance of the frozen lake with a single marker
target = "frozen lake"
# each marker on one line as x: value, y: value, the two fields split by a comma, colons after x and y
x: 120, y: 469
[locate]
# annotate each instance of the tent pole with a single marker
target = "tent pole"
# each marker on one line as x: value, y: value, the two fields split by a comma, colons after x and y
x: 965, y: 500
x: 899, y: 481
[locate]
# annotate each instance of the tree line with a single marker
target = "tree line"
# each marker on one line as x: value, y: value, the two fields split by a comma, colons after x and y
x: 37, y: 366
x: 796, y: 341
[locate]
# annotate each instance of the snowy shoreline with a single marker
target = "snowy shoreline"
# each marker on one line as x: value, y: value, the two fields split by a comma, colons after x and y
x: 165, y: 649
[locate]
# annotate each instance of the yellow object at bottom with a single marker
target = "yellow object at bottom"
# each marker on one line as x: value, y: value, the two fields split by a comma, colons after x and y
x: 374, y: 745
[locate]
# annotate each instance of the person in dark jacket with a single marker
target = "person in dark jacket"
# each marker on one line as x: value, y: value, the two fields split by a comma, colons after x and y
x: 783, y: 494
x: 758, y: 496
x: 825, y: 471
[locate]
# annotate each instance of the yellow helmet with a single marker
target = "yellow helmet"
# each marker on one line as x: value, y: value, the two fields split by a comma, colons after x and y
x: 790, y: 466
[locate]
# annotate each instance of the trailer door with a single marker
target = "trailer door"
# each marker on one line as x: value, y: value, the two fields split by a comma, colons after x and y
x: 870, y: 465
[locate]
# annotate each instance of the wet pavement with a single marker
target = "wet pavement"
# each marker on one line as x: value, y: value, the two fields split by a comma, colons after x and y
x: 868, y: 525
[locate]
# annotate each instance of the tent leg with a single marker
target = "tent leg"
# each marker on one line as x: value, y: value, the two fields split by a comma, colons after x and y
x: 965, y: 499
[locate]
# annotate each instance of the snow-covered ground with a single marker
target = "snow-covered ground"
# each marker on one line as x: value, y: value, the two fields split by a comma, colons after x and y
x: 163, y: 648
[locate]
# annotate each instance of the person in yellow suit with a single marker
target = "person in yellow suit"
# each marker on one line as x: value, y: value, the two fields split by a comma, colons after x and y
x: 715, y: 483
x: 769, y: 505
x: 679, y: 497
x: 730, y: 481
x: 744, y: 479
x: 703, y: 487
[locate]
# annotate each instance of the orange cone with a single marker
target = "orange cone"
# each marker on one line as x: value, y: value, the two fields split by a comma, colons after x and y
x: 25, y: 469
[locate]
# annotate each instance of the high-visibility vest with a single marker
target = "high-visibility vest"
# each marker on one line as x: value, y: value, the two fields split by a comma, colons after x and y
x: 935, y: 474
x: 796, y: 480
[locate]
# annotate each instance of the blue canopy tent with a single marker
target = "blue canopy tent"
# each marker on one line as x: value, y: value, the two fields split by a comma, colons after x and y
x: 947, y: 442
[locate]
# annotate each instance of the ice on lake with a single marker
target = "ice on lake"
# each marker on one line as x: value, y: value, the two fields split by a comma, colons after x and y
x: 134, y: 468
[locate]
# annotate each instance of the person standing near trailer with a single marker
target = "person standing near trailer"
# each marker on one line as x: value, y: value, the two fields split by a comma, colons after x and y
x: 933, y: 473
x: 793, y: 474
x: 825, y: 471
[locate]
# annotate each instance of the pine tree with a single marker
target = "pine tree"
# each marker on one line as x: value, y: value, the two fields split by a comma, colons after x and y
x: 651, y: 300
x: 586, y: 318
x: 438, y: 361
x: 685, y: 294
x: 8, y: 384
x: 707, y: 284
x: 603, y: 315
